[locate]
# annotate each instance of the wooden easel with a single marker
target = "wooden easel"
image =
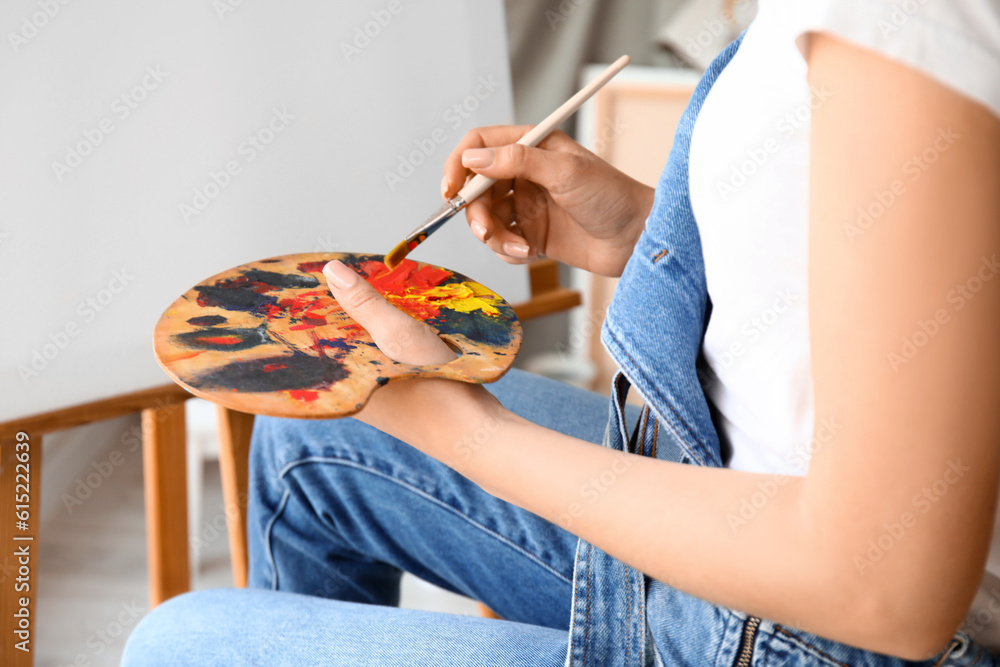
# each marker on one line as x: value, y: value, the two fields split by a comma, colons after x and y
x: 164, y: 477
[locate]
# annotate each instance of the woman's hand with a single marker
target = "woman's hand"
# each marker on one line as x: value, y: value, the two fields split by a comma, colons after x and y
x: 558, y: 200
x: 412, y: 410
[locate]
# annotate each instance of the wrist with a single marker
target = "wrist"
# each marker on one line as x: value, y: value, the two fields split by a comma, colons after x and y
x: 446, y: 419
x: 618, y: 250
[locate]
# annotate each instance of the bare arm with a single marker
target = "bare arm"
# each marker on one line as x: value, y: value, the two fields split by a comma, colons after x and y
x: 904, y: 430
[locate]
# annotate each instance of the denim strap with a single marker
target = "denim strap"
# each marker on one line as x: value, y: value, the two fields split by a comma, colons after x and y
x: 654, y: 329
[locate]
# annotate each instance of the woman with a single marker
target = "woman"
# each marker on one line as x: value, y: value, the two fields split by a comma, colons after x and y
x: 808, y: 311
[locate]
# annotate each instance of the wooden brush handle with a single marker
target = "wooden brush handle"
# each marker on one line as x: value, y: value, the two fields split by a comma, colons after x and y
x: 480, y: 184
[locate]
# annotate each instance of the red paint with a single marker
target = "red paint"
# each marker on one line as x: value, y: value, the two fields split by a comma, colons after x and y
x: 221, y: 340
x: 312, y: 267
x: 304, y: 395
x: 274, y: 367
x: 316, y: 345
x: 305, y: 306
x: 404, y: 278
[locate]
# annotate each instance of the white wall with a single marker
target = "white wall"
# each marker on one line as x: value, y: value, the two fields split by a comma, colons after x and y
x: 118, y: 120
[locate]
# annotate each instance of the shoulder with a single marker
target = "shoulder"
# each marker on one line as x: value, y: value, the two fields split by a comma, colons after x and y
x: 955, y: 42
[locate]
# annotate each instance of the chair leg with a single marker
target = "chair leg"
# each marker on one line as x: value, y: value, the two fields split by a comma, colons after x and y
x: 235, y: 429
x: 486, y: 612
x: 165, y: 487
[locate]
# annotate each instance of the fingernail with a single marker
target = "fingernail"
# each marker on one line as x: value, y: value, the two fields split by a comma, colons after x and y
x: 339, y: 274
x: 478, y: 229
x: 515, y: 249
x: 444, y: 187
x: 478, y: 157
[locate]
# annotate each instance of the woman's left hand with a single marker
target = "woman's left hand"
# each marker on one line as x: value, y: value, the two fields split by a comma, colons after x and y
x: 408, y: 409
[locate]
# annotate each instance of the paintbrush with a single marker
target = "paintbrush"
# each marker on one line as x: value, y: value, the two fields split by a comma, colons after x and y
x: 480, y: 184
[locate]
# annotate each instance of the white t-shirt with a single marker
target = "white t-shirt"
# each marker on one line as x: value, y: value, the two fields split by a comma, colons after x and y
x: 749, y: 164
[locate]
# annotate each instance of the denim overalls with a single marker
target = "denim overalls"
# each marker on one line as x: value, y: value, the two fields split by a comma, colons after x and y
x: 654, y: 330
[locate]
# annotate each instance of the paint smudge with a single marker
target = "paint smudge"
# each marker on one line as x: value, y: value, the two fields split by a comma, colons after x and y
x: 223, y: 339
x: 339, y: 344
x: 299, y: 371
x: 280, y: 280
x: 229, y: 297
x: 312, y: 267
x: 304, y: 395
x: 207, y: 320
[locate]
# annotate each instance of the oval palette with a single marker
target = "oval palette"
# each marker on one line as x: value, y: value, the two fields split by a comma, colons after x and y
x: 268, y: 337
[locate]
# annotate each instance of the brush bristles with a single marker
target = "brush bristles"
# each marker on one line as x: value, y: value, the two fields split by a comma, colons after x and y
x: 396, y: 255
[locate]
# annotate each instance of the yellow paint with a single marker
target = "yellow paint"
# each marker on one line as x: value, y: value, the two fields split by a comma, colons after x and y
x: 463, y: 297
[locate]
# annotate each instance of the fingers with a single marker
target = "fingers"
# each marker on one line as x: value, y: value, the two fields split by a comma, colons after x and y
x: 454, y: 173
x: 557, y: 171
x: 399, y: 336
x: 493, y: 152
x: 491, y: 224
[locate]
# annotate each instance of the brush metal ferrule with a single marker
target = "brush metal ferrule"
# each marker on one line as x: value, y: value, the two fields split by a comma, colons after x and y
x: 441, y: 216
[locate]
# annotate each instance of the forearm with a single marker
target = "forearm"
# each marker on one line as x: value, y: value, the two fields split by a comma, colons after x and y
x: 677, y: 523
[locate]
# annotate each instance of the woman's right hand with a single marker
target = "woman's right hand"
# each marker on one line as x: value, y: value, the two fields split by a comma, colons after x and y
x: 557, y: 199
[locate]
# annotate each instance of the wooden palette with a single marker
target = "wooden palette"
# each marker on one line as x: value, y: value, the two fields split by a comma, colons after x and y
x: 268, y: 337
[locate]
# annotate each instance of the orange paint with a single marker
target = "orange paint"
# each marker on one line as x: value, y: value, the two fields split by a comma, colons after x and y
x: 181, y: 356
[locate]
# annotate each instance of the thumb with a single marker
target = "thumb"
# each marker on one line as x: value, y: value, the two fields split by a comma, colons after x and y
x: 399, y: 336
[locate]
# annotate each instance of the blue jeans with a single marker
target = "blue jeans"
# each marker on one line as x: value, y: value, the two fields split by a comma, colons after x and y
x: 338, y: 510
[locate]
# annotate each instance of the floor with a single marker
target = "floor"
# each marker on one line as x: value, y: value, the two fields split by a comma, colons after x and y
x: 92, y: 562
